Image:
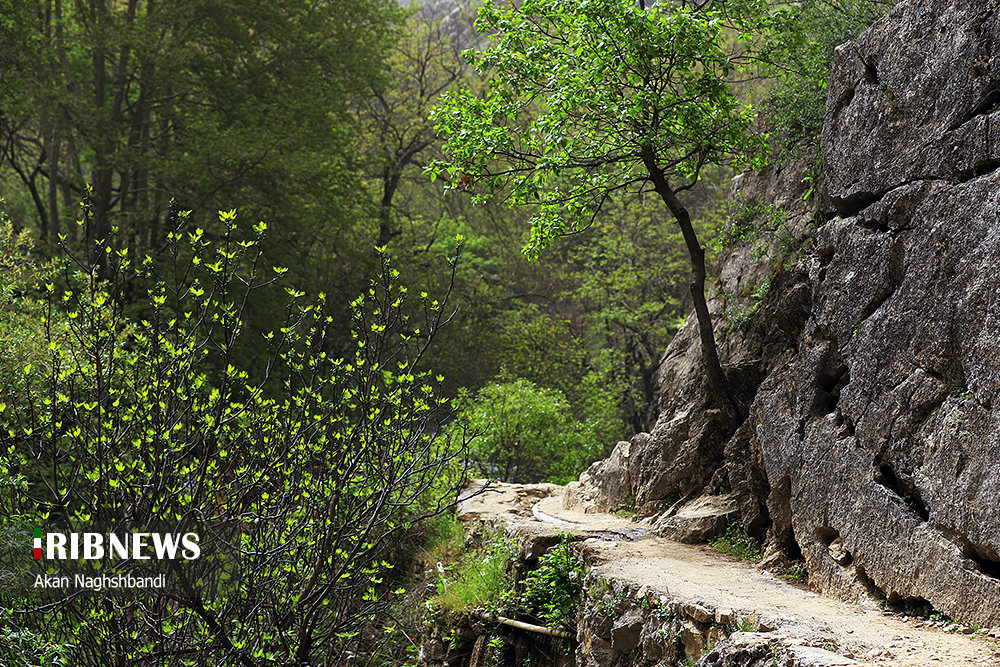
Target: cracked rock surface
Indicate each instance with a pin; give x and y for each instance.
(915, 97)
(872, 365)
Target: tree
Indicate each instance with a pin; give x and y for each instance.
(590, 99)
(525, 434)
(199, 100)
(425, 62)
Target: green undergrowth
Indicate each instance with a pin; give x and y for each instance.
(736, 543)
(479, 579)
(796, 572)
(917, 609)
(485, 580)
(553, 590)
(443, 541)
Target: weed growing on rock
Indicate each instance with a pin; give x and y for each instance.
(553, 590)
(738, 544)
(663, 613)
(598, 587)
(627, 511)
(918, 609)
(751, 223)
(612, 603)
(763, 227)
(797, 572)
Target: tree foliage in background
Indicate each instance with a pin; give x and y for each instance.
(397, 132)
(798, 52)
(200, 101)
(525, 434)
(130, 431)
(592, 99)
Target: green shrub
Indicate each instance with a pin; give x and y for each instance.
(796, 571)
(553, 589)
(525, 433)
(25, 323)
(760, 226)
(147, 421)
(20, 647)
(482, 579)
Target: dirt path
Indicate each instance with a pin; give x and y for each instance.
(622, 550)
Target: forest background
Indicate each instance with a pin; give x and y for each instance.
(127, 126)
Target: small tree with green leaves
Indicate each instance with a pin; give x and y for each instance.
(150, 421)
(525, 434)
(590, 99)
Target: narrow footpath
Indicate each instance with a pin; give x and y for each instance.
(621, 550)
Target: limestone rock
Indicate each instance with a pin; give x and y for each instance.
(598, 653)
(533, 539)
(693, 640)
(764, 649)
(699, 521)
(876, 429)
(698, 612)
(913, 98)
(839, 553)
(811, 656)
(874, 451)
(606, 484)
(742, 649)
(625, 633)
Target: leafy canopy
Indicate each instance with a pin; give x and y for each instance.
(525, 434)
(583, 92)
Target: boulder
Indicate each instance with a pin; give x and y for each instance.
(625, 633)
(700, 520)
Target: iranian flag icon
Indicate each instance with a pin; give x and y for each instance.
(38, 543)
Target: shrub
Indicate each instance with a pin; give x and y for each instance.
(25, 326)
(146, 421)
(525, 433)
(482, 579)
(553, 590)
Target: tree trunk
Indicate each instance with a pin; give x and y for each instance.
(390, 181)
(719, 392)
(52, 148)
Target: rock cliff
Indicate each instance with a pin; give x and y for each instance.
(862, 327)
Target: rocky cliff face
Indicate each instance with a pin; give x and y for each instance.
(872, 365)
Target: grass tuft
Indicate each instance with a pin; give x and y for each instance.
(480, 579)
(738, 544)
